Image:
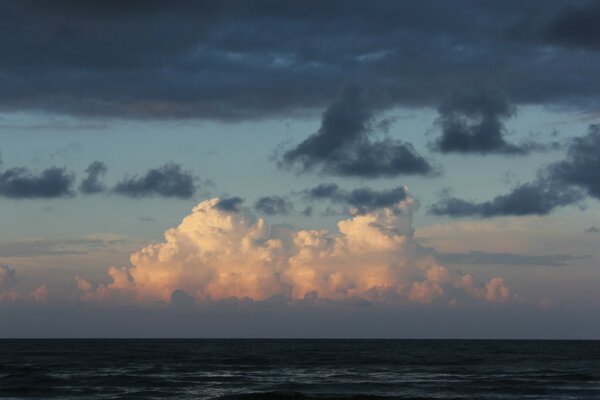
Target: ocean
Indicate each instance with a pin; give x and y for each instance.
(299, 369)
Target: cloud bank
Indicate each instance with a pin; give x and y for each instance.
(218, 254)
(247, 60)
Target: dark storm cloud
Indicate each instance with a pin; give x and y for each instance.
(473, 122)
(274, 205)
(250, 59)
(230, 204)
(363, 199)
(20, 183)
(169, 180)
(91, 184)
(537, 198)
(344, 145)
(576, 25)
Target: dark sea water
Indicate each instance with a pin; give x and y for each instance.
(299, 369)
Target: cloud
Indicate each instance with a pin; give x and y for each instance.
(273, 205)
(540, 197)
(576, 25)
(83, 284)
(488, 258)
(229, 204)
(257, 59)
(344, 144)
(91, 184)
(558, 184)
(581, 166)
(362, 199)
(54, 247)
(20, 183)
(473, 122)
(40, 294)
(8, 277)
(169, 180)
(216, 254)
(592, 229)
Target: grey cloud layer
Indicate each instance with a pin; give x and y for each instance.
(241, 60)
(487, 258)
(576, 25)
(57, 247)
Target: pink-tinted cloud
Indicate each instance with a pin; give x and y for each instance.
(218, 254)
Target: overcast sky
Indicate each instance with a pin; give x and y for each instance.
(300, 169)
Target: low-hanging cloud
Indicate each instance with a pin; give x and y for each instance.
(218, 254)
(362, 199)
(482, 258)
(20, 183)
(229, 204)
(540, 197)
(92, 184)
(581, 166)
(273, 205)
(473, 121)
(558, 184)
(8, 277)
(169, 180)
(344, 144)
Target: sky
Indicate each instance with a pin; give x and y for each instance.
(389, 169)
